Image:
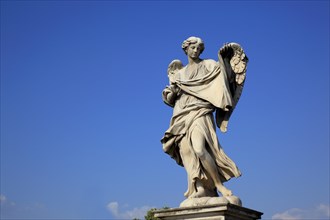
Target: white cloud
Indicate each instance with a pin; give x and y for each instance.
(322, 211)
(139, 212)
(5, 202)
(9, 209)
(3, 199)
(113, 208)
(291, 214)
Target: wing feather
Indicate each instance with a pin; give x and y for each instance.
(172, 70)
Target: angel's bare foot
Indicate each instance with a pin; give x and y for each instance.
(224, 191)
(199, 193)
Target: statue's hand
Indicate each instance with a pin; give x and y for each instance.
(224, 49)
(170, 94)
(174, 88)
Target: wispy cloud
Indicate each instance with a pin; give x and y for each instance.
(322, 211)
(4, 202)
(9, 209)
(2, 199)
(139, 212)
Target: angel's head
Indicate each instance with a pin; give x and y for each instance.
(198, 42)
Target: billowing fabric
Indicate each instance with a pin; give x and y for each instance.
(197, 95)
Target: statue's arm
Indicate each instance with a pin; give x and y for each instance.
(170, 94)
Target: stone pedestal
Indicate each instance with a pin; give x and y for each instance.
(208, 212)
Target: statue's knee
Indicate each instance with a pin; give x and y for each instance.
(200, 153)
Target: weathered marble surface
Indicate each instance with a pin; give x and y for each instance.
(196, 91)
(209, 212)
(190, 202)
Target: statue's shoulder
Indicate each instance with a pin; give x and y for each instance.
(209, 61)
(210, 64)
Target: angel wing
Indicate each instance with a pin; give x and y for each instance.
(235, 61)
(173, 69)
(170, 92)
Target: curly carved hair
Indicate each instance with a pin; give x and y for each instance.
(192, 40)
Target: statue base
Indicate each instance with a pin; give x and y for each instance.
(224, 211)
(211, 201)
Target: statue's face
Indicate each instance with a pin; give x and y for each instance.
(194, 50)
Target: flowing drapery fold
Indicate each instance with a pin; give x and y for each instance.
(197, 94)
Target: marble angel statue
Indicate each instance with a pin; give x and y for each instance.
(203, 94)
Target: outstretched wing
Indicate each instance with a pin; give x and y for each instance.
(173, 69)
(235, 61)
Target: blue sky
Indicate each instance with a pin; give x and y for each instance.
(82, 114)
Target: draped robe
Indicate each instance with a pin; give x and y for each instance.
(194, 97)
